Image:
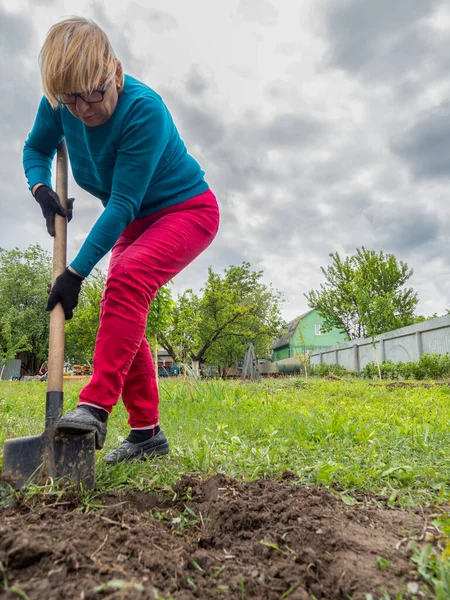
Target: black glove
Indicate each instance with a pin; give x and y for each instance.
(50, 205)
(70, 202)
(66, 289)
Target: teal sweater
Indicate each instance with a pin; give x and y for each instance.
(135, 163)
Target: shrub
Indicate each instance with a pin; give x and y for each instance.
(370, 370)
(429, 366)
(324, 369)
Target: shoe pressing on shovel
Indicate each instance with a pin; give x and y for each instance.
(53, 455)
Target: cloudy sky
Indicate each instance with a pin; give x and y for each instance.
(322, 126)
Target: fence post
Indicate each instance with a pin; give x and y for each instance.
(419, 343)
(336, 357)
(382, 351)
(356, 358)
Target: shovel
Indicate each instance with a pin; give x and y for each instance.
(53, 455)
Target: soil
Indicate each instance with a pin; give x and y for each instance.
(214, 538)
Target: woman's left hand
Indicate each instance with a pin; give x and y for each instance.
(66, 290)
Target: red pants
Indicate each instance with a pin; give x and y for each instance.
(148, 254)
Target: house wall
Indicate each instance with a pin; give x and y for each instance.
(280, 353)
(165, 360)
(305, 334)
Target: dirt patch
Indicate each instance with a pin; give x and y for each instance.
(216, 538)
(411, 384)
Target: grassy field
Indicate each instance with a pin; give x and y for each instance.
(357, 437)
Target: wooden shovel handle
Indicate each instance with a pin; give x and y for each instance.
(57, 319)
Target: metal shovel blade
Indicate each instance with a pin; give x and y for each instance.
(51, 455)
(22, 458)
(68, 459)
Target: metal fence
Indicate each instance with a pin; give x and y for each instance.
(12, 369)
(406, 344)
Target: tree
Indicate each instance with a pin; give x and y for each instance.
(234, 310)
(375, 312)
(423, 318)
(159, 318)
(302, 350)
(13, 338)
(181, 336)
(81, 330)
(227, 351)
(364, 294)
(24, 324)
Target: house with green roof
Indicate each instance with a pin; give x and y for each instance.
(304, 334)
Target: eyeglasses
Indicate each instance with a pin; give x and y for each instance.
(89, 97)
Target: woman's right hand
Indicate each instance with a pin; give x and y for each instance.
(50, 205)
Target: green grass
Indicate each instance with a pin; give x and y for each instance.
(353, 436)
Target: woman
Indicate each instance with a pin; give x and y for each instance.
(159, 215)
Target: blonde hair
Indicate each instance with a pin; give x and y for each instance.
(76, 56)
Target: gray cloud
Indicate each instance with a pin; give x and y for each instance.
(22, 220)
(289, 48)
(361, 164)
(20, 74)
(19, 90)
(267, 202)
(399, 227)
(425, 146)
(117, 34)
(292, 130)
(16, 33)
(156, 20)
(243, 143)
(196, 83)
(202, 125)
(260, 11)
(361, 32)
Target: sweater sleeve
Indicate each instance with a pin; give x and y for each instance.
(142, 143)
(41, 145)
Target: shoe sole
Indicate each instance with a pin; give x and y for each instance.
(160, 450)
(79, 429)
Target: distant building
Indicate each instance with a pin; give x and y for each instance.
(164, 358)
(303, 334)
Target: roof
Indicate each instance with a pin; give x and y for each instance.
(292, 326)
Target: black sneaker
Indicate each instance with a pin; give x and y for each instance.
(81, 420)
(126, 452)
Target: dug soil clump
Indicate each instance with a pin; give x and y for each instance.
(215, 538)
